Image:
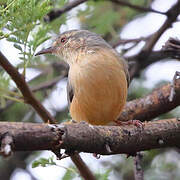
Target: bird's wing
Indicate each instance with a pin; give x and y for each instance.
(125, 67)
(70, 93)
(126, 72)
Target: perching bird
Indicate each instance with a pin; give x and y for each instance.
(98, 77)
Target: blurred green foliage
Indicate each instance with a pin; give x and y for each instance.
(43, 162)
(21, 23)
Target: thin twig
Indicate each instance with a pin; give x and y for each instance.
(48, 84)
(155, 56)
(82, 167)
(172, 46)
(141, 58)
(138, 171)
(118, 42)
(136, 7)
(172, 15)
(58, 12)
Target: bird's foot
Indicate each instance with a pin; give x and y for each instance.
(136, 123)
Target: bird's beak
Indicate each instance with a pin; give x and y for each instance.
(49, 50)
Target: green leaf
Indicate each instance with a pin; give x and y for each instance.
(18, 47)
(43, 162)
(69, 175)
(19, 18)
(104, 176)
(12, 39)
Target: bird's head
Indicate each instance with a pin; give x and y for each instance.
(72, 44)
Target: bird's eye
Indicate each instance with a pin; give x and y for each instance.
(63, 40)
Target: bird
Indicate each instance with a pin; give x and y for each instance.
(98, 77)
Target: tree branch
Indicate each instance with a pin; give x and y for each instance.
(172, 15)
(49, 84)
(145, 53)
(152, 58)
(55, 13)
(118, 42)
(138, 171)
(136, 7)
(153, 104)
(25, 90)
(93, 139)
(87, 174)
(172, 46)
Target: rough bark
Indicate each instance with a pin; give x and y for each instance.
(82, 137)
(153, 104)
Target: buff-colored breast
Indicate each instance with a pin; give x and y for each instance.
(100, 89)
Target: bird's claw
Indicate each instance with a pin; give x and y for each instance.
(136, 123)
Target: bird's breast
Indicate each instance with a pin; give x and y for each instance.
(100, 90)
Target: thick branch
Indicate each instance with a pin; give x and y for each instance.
(25, 90)
(153, 104)
(93, 139)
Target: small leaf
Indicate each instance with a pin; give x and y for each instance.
(12, 39)
(68, 175)
(18, 47)
(40, 41)
(43, 162)
(3, 102)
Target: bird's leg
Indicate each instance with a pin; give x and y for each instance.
(136, 123)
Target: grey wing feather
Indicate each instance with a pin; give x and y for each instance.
(70, 93)
(127, 72)
(125, 65)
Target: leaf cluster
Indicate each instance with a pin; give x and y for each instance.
(21, 22)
